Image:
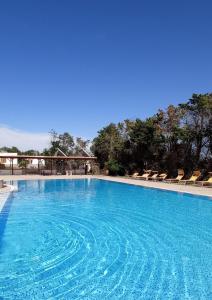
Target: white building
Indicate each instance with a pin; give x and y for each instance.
(33, 163)
(7, 161)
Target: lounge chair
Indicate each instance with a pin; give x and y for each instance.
(161, 177)
(154, 176)
(134, 175)
(192, 179)
(178, 178)
(205, 182)
(146, 175)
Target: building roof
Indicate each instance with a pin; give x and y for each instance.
(11, 155)
(5, 154)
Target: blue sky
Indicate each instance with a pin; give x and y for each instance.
(78, 65)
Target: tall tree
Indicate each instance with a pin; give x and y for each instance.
(64, 142)
(196, 122)
(108, 144)
(180, 136)
(81, 146)
(10, 149)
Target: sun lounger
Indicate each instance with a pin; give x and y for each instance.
(192, 179)
(205, 182)
(154, 176)
(134, 175)
(146, 175)
(178, 178)
(161, 177)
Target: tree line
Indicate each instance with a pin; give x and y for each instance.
(64, 141)
(178, 137)
(60, 144)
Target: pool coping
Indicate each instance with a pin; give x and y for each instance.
(188, 189)
(4, 194)
(163, 186)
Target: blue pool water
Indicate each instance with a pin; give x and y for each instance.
(93, 239)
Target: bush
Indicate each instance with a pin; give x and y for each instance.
(115, 168)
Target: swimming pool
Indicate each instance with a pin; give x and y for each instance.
(95, 239)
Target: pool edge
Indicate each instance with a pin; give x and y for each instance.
(185, 189)
(188, 190)
(4, 195)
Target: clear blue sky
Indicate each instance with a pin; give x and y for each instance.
(78, 65)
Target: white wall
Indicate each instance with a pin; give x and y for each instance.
(34, 163)
(6, 161)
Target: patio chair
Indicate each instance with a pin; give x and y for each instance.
(146, 175)
(161, 177)
(192, 179)
(134, 175)
(154, 176)
(178, 178)
(205, 182)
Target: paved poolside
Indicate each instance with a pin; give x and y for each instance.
(4, 194)
(195, 190)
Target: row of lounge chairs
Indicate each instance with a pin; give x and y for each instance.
(156, 176)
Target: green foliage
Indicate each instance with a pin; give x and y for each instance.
(80, 145)
(197, 125)
(22, 163)
(64, 142)
(108, 144)
(31, 152)
(10, 150)
(115, 168)
(180, 136)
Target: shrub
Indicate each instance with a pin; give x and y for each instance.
(115, 168)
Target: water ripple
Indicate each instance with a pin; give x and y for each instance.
(97, 240)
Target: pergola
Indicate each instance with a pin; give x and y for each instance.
(45, 157)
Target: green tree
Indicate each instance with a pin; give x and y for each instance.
(108, 144)
(180, 136)
(81, 147)
(146, 143)
(10, 149)
(31, 152)
(197, 126)
(23, 163)
(64, 142)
